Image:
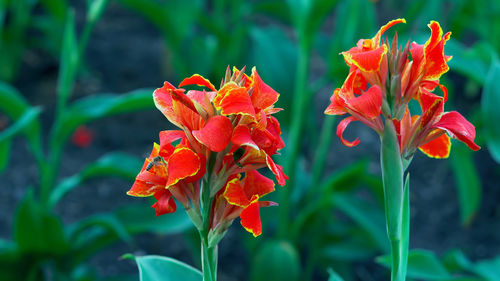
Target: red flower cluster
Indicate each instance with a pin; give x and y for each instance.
(225, 136)
(382, 81)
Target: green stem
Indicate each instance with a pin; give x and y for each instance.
(392, 176)
(208, 260)
(300, 104)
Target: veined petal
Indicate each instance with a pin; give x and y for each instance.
(368, 104)
(256, 184)
(183, 163)
(165, 203)
(241, 136)
(236, 101)
(216, 134)
(458, 127)
(435, 59)
(235, 194)
(341, 128)
(337, 104)
(437, 148)
(141, 189)
(250, 218)
(367, 61)
(199, 80)
(263, 96)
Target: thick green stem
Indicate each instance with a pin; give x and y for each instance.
(301, 98)
(392, 175)
(208, 260)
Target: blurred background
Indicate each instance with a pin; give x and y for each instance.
(77, 120)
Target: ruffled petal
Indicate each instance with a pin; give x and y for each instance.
(341, 128)
(216, 134)
(367, 61)
(199, 80)
(165, 204)
(458, 127)
(438, 148)
(368, 104)
(250, 218)
(277, 170)
(256, 184)
(337, 104)
(235, 194)
(241, 136)
(183, 163)
(236, 101)
(435, 59)
(263, 96)
(376, 39)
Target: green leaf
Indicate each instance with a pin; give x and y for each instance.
(157, 268)
(38, 231)
(98, 106)
(112, 164)
(489, 106)
(276, 260)
(467, 181)
(488, 269)
(95, 10)
(405, 228)
(333, 276)
(471, 62)
(5, 148)
(69, 62)
(422, 264)
(106, 220)
(24, 122)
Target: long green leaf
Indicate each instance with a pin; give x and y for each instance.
(24, 122)
(489, 106)
(69, 62)
(276, 260)
(157, 268)
(333, 276)
(422, 264)
(111, 164)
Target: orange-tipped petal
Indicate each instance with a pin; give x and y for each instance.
(435, 59)
(166, 138)
(368, 104)
(183, 163)
(216, 134)
(438, 148)
(257, 184)
(341, 128)
(236, 101)
(241, 136)
(235, 194)
(384, 28)
(277, 170)
(141, 189)
(165, 204)
(163, 101)
(337, 104)
(367, 61)
(199, 80)
(263, 96)
(458, 127)
(250, 218)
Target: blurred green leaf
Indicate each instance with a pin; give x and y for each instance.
(95, 10)
(488, 269)
(472, 62)
(157, 268)
(276, 260)
(38, 231)
(68, 63)
(106, 220)
(422, 264)
(112, 164)
(333, 276)
(24, 122)
(489, 105)
(350, 250)
(98, 106)
(467, 181)
(5, 148)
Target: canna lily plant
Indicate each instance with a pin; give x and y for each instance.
(210, 166)
(383, 79)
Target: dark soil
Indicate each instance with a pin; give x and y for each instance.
(126, 53)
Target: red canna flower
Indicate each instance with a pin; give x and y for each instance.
(224, 135)
(381, 82)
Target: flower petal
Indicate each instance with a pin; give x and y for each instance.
(277, 170)
(235, 194)
(256, 184)
(438, 148)
(435, 59)
(384, 28)
(241, 136)
(458, 127)
(368, 104)
(236, 101)
(216, 134)
(341, 128)
(250, 218)
(183, 163)
(163, 101)
(165, 204)
(337, 104)
(263, 96)
(367, 61)
(199, 80)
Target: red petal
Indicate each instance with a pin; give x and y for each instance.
(166, 138)
(437, 148)
(199, 80)
(216, 134)
(165, 203)
(236, 101)
(256, 184)
(182, 163)
(366, 61)
(341, 128)
(277, 170)
(263, 96)
(141, 189)
(235, 195)
(458, 127)
(337, 104)
(241, 136)
(368, 104)
(435, 59)
(163, 101)
(250, 218)
(384, 28)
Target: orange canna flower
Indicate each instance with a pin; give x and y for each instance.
(225, 135)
